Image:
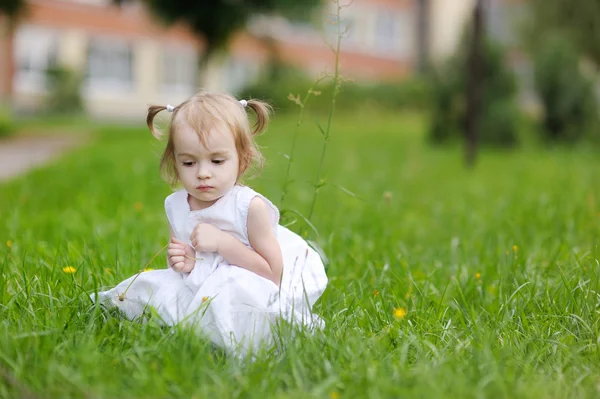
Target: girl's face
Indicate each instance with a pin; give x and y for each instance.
(207, 173)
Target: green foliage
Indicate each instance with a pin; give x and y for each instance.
(496, 268)
(11, 7)
(578, 21)
(567, 96)
(276, 84)
(276, 88)
(64, 91)
(6, 123)
(500, 114)
(214, 21)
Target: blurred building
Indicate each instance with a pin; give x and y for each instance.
(128, 59)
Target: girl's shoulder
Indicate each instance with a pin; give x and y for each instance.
(244, 196)
(176, 199)
(242, 191)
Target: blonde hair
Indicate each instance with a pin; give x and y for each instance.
(202, 112)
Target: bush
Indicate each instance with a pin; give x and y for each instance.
(500, 123)
(567, 97)
(499, 111)
(411, 93)
(276, 87)
(64, 91)
(276, 84)
(6, 124)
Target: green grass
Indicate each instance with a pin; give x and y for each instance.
(497, 268)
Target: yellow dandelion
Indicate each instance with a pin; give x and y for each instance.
(69, 269)
(138, 206)
(147, 269)
(477, 276)
(204, 298)
(334, 395)
(515, 248)
(108, 270)
(399, 313)
(9, 243)
(387, 196)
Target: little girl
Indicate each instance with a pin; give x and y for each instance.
(233, 270)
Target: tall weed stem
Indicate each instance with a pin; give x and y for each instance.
(302, 104)
(336, 89)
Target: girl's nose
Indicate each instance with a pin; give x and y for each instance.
(203, 172)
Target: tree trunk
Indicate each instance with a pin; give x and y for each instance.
(210, 70)
(423, 21)
(275, 62)
(7, 66)
(474, 84)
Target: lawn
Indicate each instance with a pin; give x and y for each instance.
(444, 282)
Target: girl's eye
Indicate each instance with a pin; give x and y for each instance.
(218, 161)
(187, 163)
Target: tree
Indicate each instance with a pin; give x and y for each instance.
(561, 34)
(566, 94)
(9, 11)
(474, 84)
(577, 20)
(11, 8)
(216, 20)
(497, 111)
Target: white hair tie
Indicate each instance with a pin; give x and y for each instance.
(244, 103)
(170, 108)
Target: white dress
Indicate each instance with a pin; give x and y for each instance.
(233, 307)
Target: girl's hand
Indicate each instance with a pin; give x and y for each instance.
(206, 238)
(176, 255)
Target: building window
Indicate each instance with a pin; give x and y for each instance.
(346, 29)
(110, 64)
(36, 51)
(395, 34)
(238, 73)
(386, 30)
(504, 20)
(93, 2)
(179, 70)
(406, 34)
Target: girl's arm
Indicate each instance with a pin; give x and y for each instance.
(266, 259)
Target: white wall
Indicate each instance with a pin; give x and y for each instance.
(107, 94)
(448, 18)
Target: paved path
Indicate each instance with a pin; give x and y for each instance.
(22, 153)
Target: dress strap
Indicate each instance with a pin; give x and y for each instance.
(245, 197)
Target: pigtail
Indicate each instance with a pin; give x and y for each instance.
(153, 110)
(167, 160)
(262, 111)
